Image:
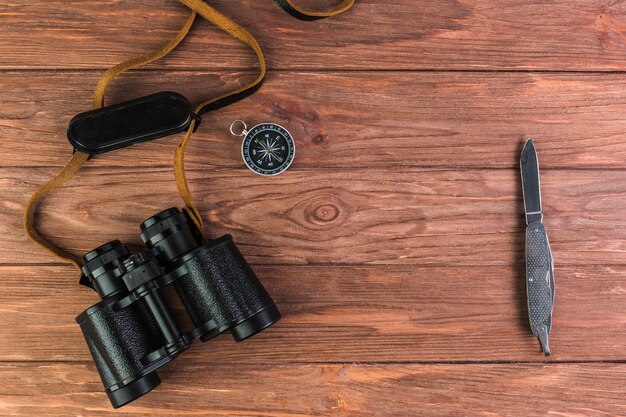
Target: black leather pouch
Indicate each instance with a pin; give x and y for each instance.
(139, 120)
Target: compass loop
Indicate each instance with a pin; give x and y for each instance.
(236, 123)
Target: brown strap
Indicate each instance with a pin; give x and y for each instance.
(72, 167)
(237, 32)
(107, 77)
(230, 27)
(79, 158)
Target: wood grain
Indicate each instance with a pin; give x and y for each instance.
(393, 246)
(577, 35)
(327, 390)
(354, 314)
(345, 120)
(417, 217)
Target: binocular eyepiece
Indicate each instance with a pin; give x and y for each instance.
(131, 332)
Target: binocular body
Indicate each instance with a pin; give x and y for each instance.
(132, 332)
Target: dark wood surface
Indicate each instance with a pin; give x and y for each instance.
(393, 245)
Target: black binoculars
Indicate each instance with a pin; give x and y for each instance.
(132, 332)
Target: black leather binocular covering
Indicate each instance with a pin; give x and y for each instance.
(132, 332)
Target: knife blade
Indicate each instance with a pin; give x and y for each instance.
(539, 262)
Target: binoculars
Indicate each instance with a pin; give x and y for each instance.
(132, 332)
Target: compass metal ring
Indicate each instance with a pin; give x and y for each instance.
(242, 132)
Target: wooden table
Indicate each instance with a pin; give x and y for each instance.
(395, 243)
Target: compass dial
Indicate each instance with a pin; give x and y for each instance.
(268, 149)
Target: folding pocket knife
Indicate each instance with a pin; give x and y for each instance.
(539, 262)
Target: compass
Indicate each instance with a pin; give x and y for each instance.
(267, 148)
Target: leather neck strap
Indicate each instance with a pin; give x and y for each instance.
(78, 159)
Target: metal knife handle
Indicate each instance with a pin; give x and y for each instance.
(539, 282)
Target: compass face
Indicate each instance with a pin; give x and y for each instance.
(268, 149)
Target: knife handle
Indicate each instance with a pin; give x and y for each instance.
(539, 282)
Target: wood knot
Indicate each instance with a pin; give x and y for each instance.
(310, 115)
(325, 210)
(334, 401)
(319, 139)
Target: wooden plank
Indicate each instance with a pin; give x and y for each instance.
(367, 216)
(354, 314)
(346, 120)
(393, 247)
(326, 390)
(579, 35)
